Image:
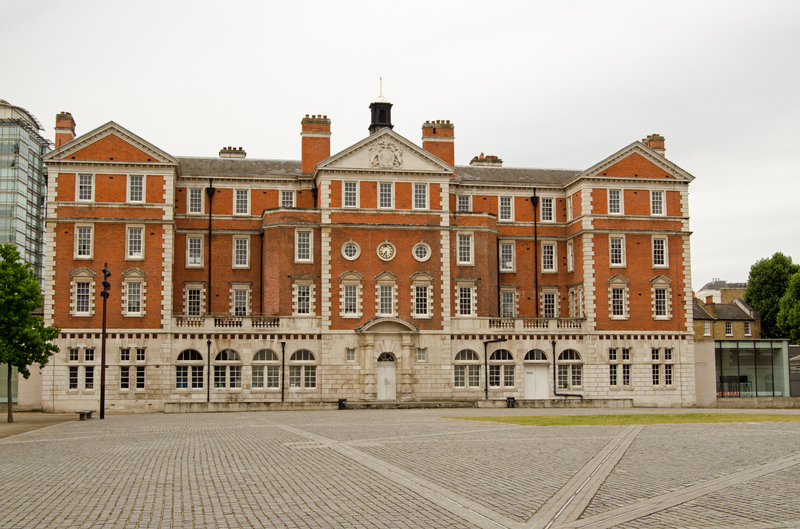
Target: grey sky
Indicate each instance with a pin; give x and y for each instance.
(540, 84)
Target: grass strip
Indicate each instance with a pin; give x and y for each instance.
(639, 418)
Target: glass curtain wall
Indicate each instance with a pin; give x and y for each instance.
(752, 368)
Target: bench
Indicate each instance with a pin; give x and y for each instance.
(85, 414)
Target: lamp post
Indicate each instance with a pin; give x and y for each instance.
(208, 382)
(104, 294)
(486, 361)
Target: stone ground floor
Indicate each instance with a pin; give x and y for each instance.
(401, 468)
(390, 363)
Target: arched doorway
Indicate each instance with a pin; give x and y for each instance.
(387, 385)
(535, 382)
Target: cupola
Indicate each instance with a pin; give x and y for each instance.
(381, 110)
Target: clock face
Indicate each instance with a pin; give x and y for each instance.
(386, 251)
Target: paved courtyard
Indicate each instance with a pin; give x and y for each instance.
(398, 468)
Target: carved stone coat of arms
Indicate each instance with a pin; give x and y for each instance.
(386, 155)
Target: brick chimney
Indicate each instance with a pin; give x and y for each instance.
(65, 128)
(438, 138)
(232, 152)
(316, 133)
(655, 142)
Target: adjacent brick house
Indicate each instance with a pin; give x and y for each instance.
(376, 273)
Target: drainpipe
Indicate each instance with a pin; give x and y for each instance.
(210, 192)
(555, 385)
(497, 261)
(283, 368)
(535, 201)
(486, 361)
(261, 288)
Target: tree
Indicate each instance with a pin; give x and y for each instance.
(766, 285)
(24, 339)
(789, 314)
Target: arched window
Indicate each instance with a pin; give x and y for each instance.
(467, 369)
(228, 369)
(501, 369)
(302, 370)
(570, 369)
(266, 370)
(386, 357)
(189, 370)
(535, 355)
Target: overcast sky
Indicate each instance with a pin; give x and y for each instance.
(540, 84)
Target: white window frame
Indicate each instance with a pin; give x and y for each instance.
(129, 295)
(350, 243)
(664, 252)
(622, 261)
(356, 197)
(129, 229)
(661, 283)
(79, 185)
(77, 254)
(297, 255)
(748, 329)
(466, 300)
(706, 328)
(620, 209)
(570, 256)
(470, 237)
(291, 195)
(386, 280)
(466, 370)
(554, 246)
(235, 257)
(728, 328)
(618, 283)
(201, 250)
(508, 302)
(508, 249)
(237, 194)
(551, 208)
(416, 204)
(421, 288)
(78, 293)
(240, 299)
(188, 300)
(547, 293)
(570, 215)
(303, 286)
(189, 209)
(505, 212)
(658, 207)
(463, 203)
(350, 295)
(421, 245)
(129, 197)
(381, 187)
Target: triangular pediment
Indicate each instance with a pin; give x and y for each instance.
(385, 151)
(110, 143)
(636, 161)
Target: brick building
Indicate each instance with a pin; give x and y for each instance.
(376, 273)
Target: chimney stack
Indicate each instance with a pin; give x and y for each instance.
(65, 128)
(316, 134)
(438, 138)
(655, 142)
(232, 152)
(490, 160)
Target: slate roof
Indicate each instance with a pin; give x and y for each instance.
(731, 312)
(197, 166)
(699, 313)
(719, 284)
(508, 175)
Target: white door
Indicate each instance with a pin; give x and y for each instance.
(386, 377)
(535, 382)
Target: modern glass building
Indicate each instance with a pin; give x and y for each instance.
(23, 183)
(752, 368)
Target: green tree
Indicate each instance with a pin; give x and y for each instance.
(789, 314)
(24, 339)
(766, 285)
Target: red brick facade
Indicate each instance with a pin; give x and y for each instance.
(303, 256)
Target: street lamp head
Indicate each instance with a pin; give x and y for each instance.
(106, 272)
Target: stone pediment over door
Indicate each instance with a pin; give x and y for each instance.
(387, 326)
(386, 151)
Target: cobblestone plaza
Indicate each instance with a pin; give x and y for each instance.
(398, 468)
